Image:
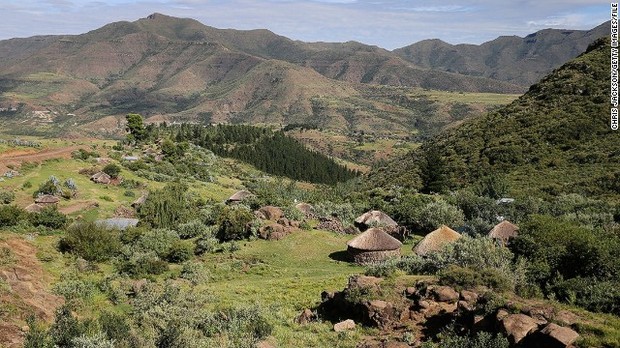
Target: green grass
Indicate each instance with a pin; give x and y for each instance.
(470, 98)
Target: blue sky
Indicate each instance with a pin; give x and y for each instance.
(386, 23)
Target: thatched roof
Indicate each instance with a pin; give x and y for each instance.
(435, 240)
(34, 208)
(375, 239)
(239, 196)
(101, 178)
(47, 199)
(375, 218)
(504, 231)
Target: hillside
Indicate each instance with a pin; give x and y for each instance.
(181, 70)
(554, 139)
(522, 61)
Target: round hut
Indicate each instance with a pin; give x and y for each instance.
(239, 196)
(435, 240)
(101, 178)
(504, 231)
(374, 218)
(374, 245)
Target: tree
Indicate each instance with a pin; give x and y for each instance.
(112, 170)
(135, 127)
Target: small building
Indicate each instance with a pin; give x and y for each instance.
(504, 232)
(130, 158)
(374, 218)
(372, 246)
(45, 200)
(101, 178)
(239, 196)
(436, 240)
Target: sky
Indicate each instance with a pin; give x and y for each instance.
(385, 23)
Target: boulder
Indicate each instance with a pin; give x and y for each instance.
(381, 313)
(469, 296)
(273, 231)
(364, 282)
(270, 212)
(444, 294)
(305, 317)
(344, 325)
(556, 336)
(518, 326)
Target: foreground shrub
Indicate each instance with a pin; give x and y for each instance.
(180, 251)
(234, 223)
(91, 241)
(594, 295)
(49, 217)
(10, 215)
(141, 264)
(6, 197)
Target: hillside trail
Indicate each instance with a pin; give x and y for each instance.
(25, 290)
(16, 158)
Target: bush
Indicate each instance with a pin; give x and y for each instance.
(142, 264)
(112, 170)
(206, 245)
(234, 223)
(158, 241)
(49, 217)
(192, 229)
(10, 215)
(91, 241)
(435, 214)
(469, 278)
(6, 197)
(482, 339)
(180, 251)
(50, 187)
(589, 293)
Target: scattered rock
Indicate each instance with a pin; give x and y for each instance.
(330, 224)
(273, 231)
(558, 336)
(270, 213)
(364, 282)
(444, 294)
(381, 313)
(518, 326)
(344, 325)
(305, 317)
(469, 296)
(565, 318)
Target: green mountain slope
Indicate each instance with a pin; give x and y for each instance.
(521, 61)
(554, 139)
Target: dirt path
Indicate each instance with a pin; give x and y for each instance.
(26, 291)
(12, 158)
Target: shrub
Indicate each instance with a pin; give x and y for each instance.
(157, 241)
(91, 241)
(98, 340)
(592, 294)
(50, 187)
(435, 214)
(112, 170)
(129, 194)
(114, 325)
(468, 278)
(482, 339)
(142, 264)
(180, 251)
(234, 223)
(10, 215)
(192, 229)
(49, 217)
(206, 245)
(6, 197)
(65, 328)
(195, 272)
(167, 207)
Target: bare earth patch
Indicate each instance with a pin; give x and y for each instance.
(16, 158)
(25, 291)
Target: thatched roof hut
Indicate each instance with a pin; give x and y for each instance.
(239, 196)
(374, 218)
(373, 245)
(34, 208)
(435, 240)
(504, 231)
(46, 199)
(101, 178)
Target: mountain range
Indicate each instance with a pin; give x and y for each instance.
(176, 69)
